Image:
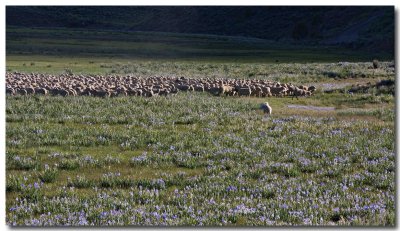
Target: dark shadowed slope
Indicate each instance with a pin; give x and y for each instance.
(366, 27)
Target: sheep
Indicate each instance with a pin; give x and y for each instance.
(138, 92)
(58, 91)
(30, 90)
(62, 92)
(121, 91)
(266, 92)
(10, 91)
(148, 93)
(303, 87)
(215, 90)
(41, 91)
(95, 85)
(182, 87)
(86, 91)
(312, 88)
(267, 109)
(164, 92)
(21, 91)
(199, 88)
(72, 92)
(227, 90)
(246, 91)
(174, 90)
(101, 93)
(258, 91)
(278, 91)
(300, 92)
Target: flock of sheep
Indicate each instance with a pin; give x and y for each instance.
(113, 85)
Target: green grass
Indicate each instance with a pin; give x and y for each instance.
(166, 46)
(196, 159)
(130, 153)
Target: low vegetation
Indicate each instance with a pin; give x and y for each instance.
(197, 159)
(193, 158)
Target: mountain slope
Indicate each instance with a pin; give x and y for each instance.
(365, 27)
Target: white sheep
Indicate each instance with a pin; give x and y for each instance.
(267, 109)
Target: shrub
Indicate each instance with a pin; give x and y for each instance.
(14, 183)
(32, 192)
(69, 164)
(49, 175)
(80, 182)
(23, 163)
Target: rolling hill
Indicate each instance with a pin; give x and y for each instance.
(367, 28)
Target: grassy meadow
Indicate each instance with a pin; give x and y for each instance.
(194, 158)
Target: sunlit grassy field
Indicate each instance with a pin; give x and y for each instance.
(194, 158)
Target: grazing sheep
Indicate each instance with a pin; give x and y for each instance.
(257, 91)
(30, 90)
(267, 109)
(312, 88)
(86, 91)
(297, 92)
(199, 88)
(182, 87)
(41, 91)
(72, 92)
(227, 90)
(22, 91)
(62, 92)
(148, 93)
(10, 91)
(58, 91)
(106, 86)
(278, 91)
(246, 91)
(266, 92)
(303, 87)
(215, 90)
(101, 93)
(300, 92)
(164, 92)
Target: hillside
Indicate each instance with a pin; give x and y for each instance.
(368, 28)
